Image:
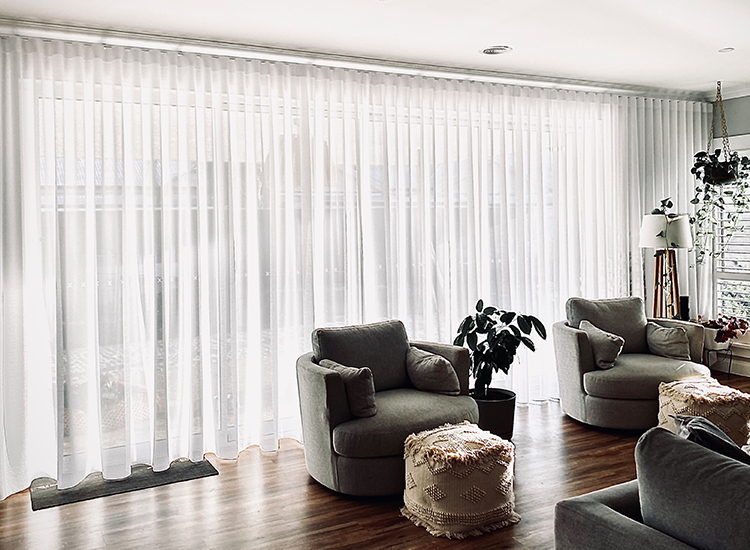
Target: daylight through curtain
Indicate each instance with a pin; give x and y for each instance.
(174, 225)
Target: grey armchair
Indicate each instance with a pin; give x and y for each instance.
(365, 456)
(627, 395)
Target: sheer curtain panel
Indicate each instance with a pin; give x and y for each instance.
(174, 225)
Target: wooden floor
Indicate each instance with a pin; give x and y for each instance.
(267, 500)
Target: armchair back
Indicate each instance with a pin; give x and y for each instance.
(625, 317)
(380, 346)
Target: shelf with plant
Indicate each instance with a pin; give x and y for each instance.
(724, 329)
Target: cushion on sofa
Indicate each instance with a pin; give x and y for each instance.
(624, 317)
(360, 390)
(380, 346)
(400, 412)
(637, 376)
(431, 372)
(692, 493)
(704, 432)
(668, 342)
(605, 345)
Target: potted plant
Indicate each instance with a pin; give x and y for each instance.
(723, 193)
(493, 337)
(721, 198)
(719, 333)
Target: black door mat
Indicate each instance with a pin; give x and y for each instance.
(45, 494)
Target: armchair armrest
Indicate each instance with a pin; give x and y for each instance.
(694, 334)
(609, 518)
(323, 405)
(458, 357)
(574, 358)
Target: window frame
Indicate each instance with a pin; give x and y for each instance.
(741, 144)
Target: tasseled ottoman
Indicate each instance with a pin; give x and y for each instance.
(726, 407)
(459, 481)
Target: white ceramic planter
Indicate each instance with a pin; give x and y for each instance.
(709, 340)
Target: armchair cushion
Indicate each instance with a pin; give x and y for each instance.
(692, 493)
(668, 342)
(380, 346)
(400, 412)
(360, 390)
(605, 345)
(431, 372)
(624, 317)
(637, 376)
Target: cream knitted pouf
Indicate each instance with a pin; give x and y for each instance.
(459, 481)
(726, 407)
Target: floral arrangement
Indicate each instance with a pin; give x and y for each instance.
(727, 327)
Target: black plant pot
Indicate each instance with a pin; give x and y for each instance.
(497, 412)
(721, 173)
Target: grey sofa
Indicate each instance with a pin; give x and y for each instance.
(686, 496)
(365, 456)
(626, 396)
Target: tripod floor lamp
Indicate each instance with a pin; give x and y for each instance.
(665, 233)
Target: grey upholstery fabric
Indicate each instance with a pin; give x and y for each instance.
(360, 390)
(324, 407)
(605, 345)
(573, 358)
(431, 372)
(323, 404)
(691, 493)
(458, 356)
(637, 376)
(668, 341)
(694, 333)
(380, 346)
(400, 412)
(621, 414)
(608, 519)
(369, 477)
(626, 396)
(625, 317)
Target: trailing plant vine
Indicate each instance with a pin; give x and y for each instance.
(722, 195)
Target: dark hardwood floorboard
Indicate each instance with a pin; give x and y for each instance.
(268, 501)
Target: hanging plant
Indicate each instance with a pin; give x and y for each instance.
(723, 194)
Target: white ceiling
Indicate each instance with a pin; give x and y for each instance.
(669, 44)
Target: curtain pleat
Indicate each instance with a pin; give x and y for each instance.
(174, 226)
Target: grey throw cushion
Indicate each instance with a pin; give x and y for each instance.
(359, 386)
(381, 346)
(624, 317)
(706, 433)
(605, 345)
(691, 493)
(668, 342)
(431, 372)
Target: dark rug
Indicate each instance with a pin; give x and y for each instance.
(45, 494)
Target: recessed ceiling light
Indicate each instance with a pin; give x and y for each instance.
(497, 50)
(726, 50)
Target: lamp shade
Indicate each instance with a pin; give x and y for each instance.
(659, 231)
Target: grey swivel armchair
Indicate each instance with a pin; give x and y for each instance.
(365, 456)
(627, 395)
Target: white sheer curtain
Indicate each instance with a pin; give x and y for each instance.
(174, 225)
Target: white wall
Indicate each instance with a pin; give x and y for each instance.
(737, 113)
